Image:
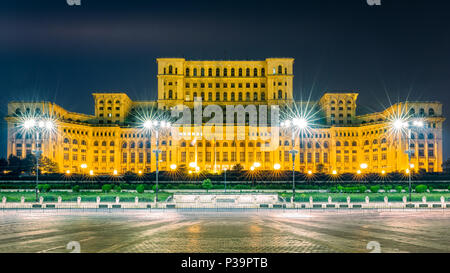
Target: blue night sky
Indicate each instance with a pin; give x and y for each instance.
(56, 52)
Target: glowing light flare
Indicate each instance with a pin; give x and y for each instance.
(91, 172)
(115, 172)
(257, 164)
(309, 172)
(334, 172)
(173, 167)
(276, 166)
(364, 166)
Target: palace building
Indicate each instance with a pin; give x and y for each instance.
(339, 141)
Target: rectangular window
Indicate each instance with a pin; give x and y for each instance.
(309, 157)
(200, 157)
(286, 156)
(302, 158)
(217, 156)
(104, 158)
(111, 158)
(242, 156)
(267, 156)
(317, 157)
(325, 157)
(133, 158)
(208, 157)
(149, 156)
(66, 156)
(163, 156)
(141, 157)
(430, 152)
(250, 156)
(225, 156)
(95, 158)
(233, 156)
(183, 156)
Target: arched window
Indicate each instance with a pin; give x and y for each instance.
(280, 69)
(247, 96)
(83, 142)
(309, 145)
(354, 144)
(75, 141)
(345, 143)
(421, 136)
(341, 102)
(240, 96)
(140, 145)
(66, 140)
(317, 145)
(210, 96)
(210, 72)
(195, 72)
(95, 143)
(232, 96)
(208, 144)
(255, 96)
(247, 72)
(170, 69)
(250, 144)
(202, 72)
(325, 144)
(18, 111)
(383, 140)
(183, 144)
(240, 72)
(232, 72)
(286, 143)
(338, 143)
(333, 102)
(225, 96)
(147, 144)
(255, 72)
(366, 142)
(422, 112)
(217, 72)
(225, 144)
(111, 143)
(225, 72)
(132, 145)
(170, 94)
(38, 111)
(187, 72)
(263, 96)
(263, 72)
(430, 136)
(124, 145)
(412, 112)
(375, 141)
(431, 112)
(413, 136)
(280, 94)
(217, 96)
(241, 144)
(285, 70)
(217, 144)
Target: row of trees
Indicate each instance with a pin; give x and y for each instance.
(16, 165)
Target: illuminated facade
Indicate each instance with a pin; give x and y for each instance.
(110, 141)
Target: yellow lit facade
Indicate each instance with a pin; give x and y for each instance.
(109, 142)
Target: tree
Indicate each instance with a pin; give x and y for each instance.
(207, 185)
(46, 165)
(446, 166)
(14, 164)
(238, 167)
(3, 165)
(106, 188)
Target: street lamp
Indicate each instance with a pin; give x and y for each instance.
(403, 124)
(296, 125)
(225, 178)
(38, 126)
(155, 126)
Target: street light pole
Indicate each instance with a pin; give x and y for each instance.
(157, 162)
(293, 152)
(409, 164)
(38, 153)
(225, 176)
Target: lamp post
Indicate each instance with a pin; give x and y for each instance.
(225, 178)
(296, 125)
(156, 126)
(399, 125)
(38, 127)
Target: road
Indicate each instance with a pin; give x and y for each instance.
(225, 231)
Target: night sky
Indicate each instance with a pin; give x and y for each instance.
(56, 52)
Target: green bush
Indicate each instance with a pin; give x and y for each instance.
(106, 188)
(117, 188)
(399, 188)
(421, 188)
(155, 188)
(140, 188)
(374, 189)
(76, 188)
(207, 184)
(362, 189)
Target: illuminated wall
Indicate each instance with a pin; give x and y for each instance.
(111, 140)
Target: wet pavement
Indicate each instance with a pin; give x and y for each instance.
(225, 231)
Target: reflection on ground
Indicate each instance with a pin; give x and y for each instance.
(224, 231)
